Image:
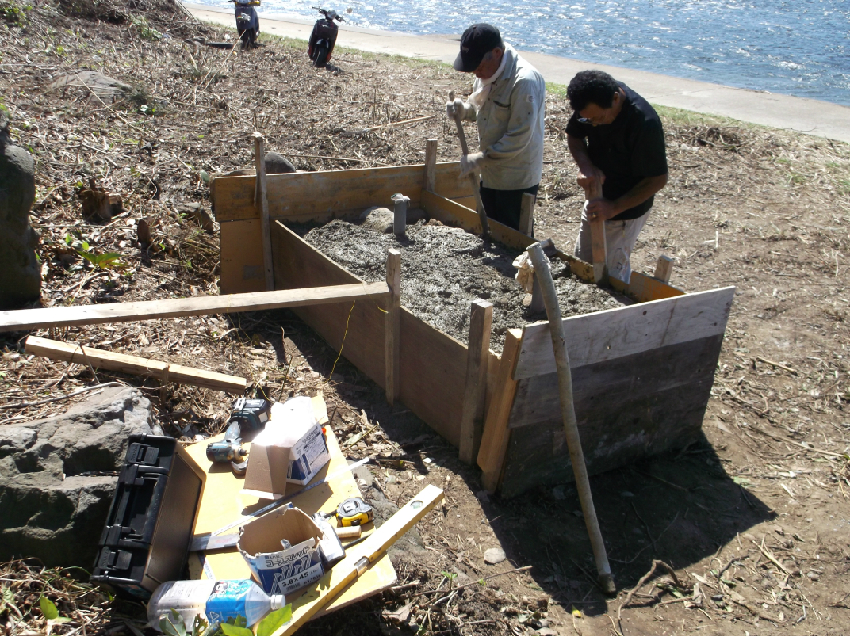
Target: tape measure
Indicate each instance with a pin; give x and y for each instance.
(354, 512)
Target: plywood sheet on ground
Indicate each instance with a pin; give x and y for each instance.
(627, 409)
(222, 503)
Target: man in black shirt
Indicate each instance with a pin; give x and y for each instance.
(617, 140)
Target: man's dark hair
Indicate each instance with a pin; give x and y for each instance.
(592, 87)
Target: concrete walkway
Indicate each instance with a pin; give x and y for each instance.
(813, 117)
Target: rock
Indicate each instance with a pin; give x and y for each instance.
(276, 164)
(381, 219)
(196, 212)
(20, 282)
(494, 556)
(56, 477)
(105, 87)
(410, 543)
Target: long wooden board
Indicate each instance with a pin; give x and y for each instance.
(614, 333)
(432, 365)
(25, 319)
(167, 372)
(241, 257)
(322, 196)
(627, 409)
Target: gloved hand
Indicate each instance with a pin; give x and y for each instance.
(471, 162)
(457, 106)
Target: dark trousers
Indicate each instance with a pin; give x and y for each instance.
(505, 206)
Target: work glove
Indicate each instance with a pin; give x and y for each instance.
(457, 106)
(471, 163)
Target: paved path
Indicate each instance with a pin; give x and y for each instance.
(769, 109)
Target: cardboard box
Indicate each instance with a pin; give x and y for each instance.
(292, 448)
(282, 570)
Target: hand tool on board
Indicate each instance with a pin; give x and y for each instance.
(358, 560)
(354, 512)
(473, 178)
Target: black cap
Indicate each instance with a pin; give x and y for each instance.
(475, 43)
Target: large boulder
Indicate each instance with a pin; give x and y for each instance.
(58, 475)
(20, 282)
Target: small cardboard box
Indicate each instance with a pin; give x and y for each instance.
(282, 570)
(292, 448)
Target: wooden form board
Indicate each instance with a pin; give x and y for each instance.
(222, 503)
(325, 195)
(627, 409)
(241, 257)
(432, 372)
(624, 331)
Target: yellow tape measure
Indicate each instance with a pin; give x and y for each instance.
(354, 512)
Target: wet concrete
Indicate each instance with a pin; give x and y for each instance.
(444, 269)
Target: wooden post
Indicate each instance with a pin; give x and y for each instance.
(431, 165)
(262, 202)
(392, 327)
(599, 258)
(526, 215)
(494, 441)
(473, 178)
(472, 420)
(664, 268)
(565, 387)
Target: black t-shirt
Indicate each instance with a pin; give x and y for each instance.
(628, 150)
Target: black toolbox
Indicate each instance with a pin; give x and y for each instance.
(151, 519)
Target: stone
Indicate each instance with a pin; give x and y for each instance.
(20, 283)
(277, 164)
(494, 556)
(58, 476)
(105, 87)
(380, 219)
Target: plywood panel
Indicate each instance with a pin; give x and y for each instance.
(614, 333)
(324, 195)
(433, 365)
(627, 409)
(241, 249)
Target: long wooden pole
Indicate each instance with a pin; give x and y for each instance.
(599, 250)
(565, 388)
(262, 202)
(473, 178)
(392, 328)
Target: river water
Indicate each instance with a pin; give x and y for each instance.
(799, 47)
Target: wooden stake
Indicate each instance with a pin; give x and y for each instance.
(165, 372)
(565, 387)
(494, 441)
(664, 268)
(392, 327)
(359, 558)
(472, 420)
(599, 258)
(262, 202)
(526, 215)
(473, 178)
(431, 165)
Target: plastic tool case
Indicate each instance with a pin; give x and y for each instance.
(149, 528)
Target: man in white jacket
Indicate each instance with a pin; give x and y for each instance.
(508, 104)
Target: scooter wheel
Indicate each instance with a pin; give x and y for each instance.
(320, 56)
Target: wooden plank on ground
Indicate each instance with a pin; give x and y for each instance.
(644, 288)
(494, 441)
(627, 409)
(321, 196)
(478, 354)
(615, 333)
(134, 365)
(451, 213)
(26, 319)
(241, 257)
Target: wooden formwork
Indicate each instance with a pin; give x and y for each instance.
(641, 373)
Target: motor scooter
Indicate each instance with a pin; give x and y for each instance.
(247, 22)
(323, 37)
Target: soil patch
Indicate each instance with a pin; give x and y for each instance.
(445, 268)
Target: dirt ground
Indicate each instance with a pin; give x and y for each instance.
(753, 520)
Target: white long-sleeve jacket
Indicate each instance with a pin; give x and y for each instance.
(511, 124)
